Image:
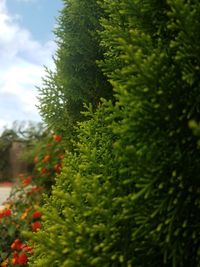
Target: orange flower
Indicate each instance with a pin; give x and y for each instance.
(5, 263)
(15, 258)
(25, 214)
(46, 158)
(57, 138)
(57, 167)
(27, 181)
(36, 226)
(17, 245)
(35, 159)
(15, 261)
(13, 245)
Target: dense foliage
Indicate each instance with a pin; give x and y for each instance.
(128, 193)
(157, 90)
(77, 78)
(78, 213)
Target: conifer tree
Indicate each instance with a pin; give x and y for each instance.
(77, 220)
(77, 79)
(157, 86)
(129, 196)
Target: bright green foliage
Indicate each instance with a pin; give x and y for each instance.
(129, 194)
(77, 79)
(157, 90)
(79, 217)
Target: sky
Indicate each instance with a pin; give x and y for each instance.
(27, 44)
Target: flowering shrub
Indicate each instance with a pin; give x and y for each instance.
(5, 213)
(6, 232)
(20, 254)
(47, 158)
(21, 211)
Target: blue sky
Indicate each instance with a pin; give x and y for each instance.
(26, 45)
(39, 16)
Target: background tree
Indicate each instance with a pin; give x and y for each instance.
(77, 78)
(6, 139)
(29, 130)
(28, 133)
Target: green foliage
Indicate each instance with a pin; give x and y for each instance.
(129, 193)
(77, 219)
(157, 91)
(77, 78)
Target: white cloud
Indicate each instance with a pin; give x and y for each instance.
(21, 67)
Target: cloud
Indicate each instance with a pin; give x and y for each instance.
(21, 67)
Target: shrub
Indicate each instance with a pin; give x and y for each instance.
(22, 210)
(156, 87)
(19, 214)
(129, 194)
(78, 218)
(47, 156)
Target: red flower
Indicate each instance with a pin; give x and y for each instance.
(27, 181)
(57, 138)
(22, 259)
(44, 170)
(17, 241)
(17, 245)
(7, 212)
(36, 215)
(36, 226)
